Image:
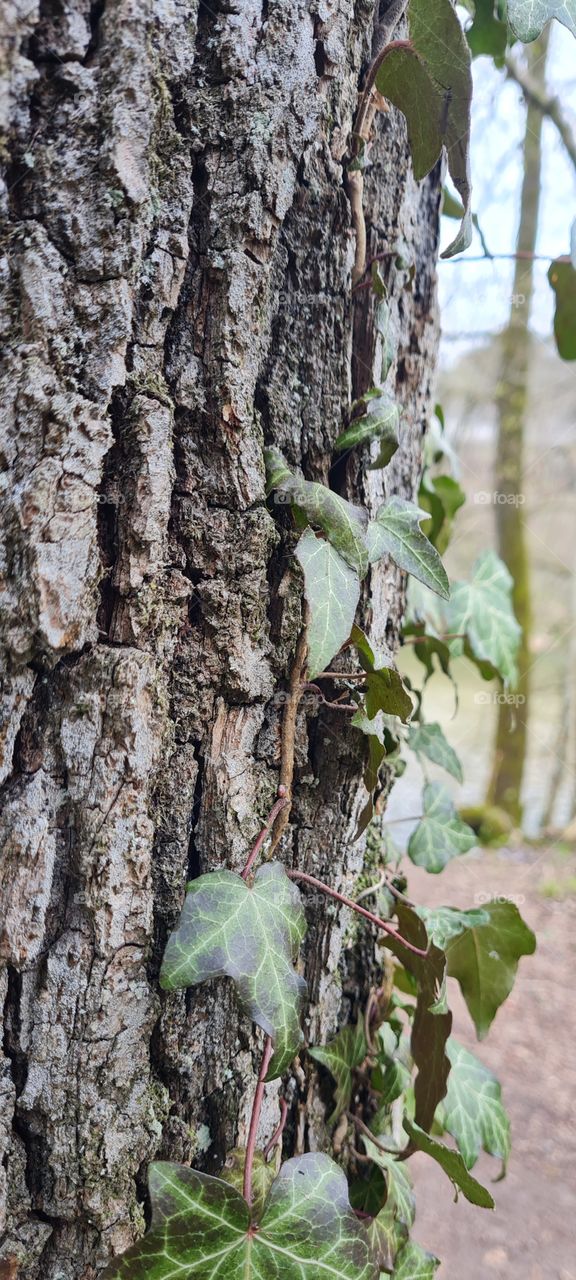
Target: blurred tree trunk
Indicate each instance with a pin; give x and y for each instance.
(505, 788)
(178, 249)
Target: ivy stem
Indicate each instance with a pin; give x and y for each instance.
(363, 1128)
(349, 902)
(276, 1136)
(255, 1120)
(412, 817)
(280, 804)
(289, 730)
(342, 675)
(336, 706)
(397, 894)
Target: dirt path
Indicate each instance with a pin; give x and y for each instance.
(531, 1235)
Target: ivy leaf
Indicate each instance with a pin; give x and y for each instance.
(432, 85)
(201, 1227)
(472, 1110)
(414, 1263)
(342, 522)
(487, 33)
(452, 1164)
(405, 80)
(383, 685)
(382, 734)
(380, 423)
(562, 277)
(385, 327)
(387, 1236)
(445, 923)
(341, 1056)
(484, 959)
(440, 835)
(482, 609)
(332, 590)
(428, 740)
(250, 934)
(400, 1198)
(528, 17)
(396, 532)
(441, 497)
(263, 1175)
(432, 1020)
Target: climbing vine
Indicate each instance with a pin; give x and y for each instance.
(400, 1081)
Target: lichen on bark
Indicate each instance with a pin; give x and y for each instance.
(177, 250)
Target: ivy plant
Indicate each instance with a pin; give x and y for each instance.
(401, 1081)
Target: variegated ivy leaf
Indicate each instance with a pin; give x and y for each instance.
(528, 17)
(250, 934)
(445, 923)
(429, 740)
(202, 1228)
(380, 423)
(452, 1164)
(431, 83)
(440, 835)
(263, 1175)
(396, 532)
(341, 1056)
(482, 610)
(472, 1110)
(414, 1263)
(387, 1237)
(332, 591)
(343, 523)
(400, 1199)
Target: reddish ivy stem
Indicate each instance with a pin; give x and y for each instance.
(349, 902)
(276, 1136)
(280, 804)
(255, 1120)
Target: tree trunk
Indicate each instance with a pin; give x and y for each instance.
(505, 788)
(177, 293)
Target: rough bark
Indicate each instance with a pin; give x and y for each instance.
(177, 255)
(505, 787)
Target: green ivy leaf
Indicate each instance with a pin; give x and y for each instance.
(562, 277)
(263, 1175)
(380, 423)
(332, 590)
(482, 609)
(250, 934)
(386, 328)
(432, 1020)
(396, 532)
(442, 497)
(414, 1263)
(487, 34)
(484, 959)
(405, 80)
(387, 1236)
(440, 835)
(341, 1056)
(384, 688)
(382, 734)
(528, 17)
(428, 740)
(452, 1164)
(445, 923)
(400, 1197)
(343, 523)
(201, 1227)
(472, 1110)
(433, 87)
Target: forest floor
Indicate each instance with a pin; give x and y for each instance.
(531, 1047)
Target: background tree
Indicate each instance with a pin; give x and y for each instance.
(505, 788)
(177, 268)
